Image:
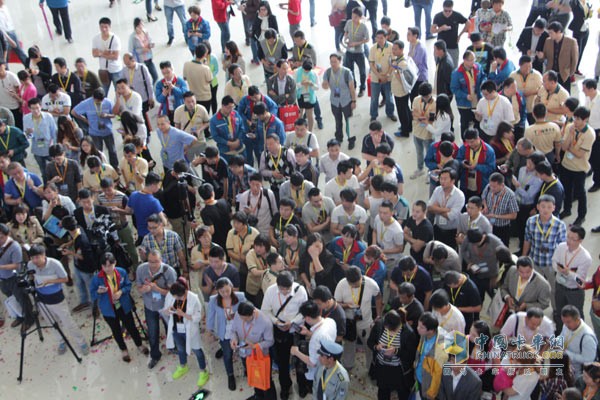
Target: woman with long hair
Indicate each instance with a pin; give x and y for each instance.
(184, 312)
(553, 384)
(69, 135)
(40, 69)
(88, 148)
(213, 63)
(526, 364)
(111, 287)
(504, 142)
(25, 228)
(141, 150)
(133, 125)
(442, 119)
(221, 311)
(265, 20)
(589, 382)
(481, 365)
(232, 56)
(27, 91)
(141, 45)
(290, 249)
(372, 264)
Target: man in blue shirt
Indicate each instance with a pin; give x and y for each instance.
(142, 204)
(227, 128)
(96, 112)
(40, 126)
(173, 142)
(265, 123)
(247, 103)
(23, 187)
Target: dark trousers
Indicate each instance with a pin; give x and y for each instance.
(358, 59)
(466, 117)
(59, 14)
(503, 233)
(109, 140)
(522, 216)
(283, 344)
(145, 109)
(341, 115)
(595, 159)
(564, 296)
(574, 185)
(213, 101)
(153, 321)
(389, 379)
(446, 236)
(404, 114)
(339, 35)
(415, 91)
(9, 288)
(18, 118)
(566, 83)
(483, 285)
(128, 322)
(582, 38)
(259, 394)
(318, 115)
(371, 7)
(535, 13)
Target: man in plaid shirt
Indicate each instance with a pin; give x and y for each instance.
(499, 206)
(167, 242)
(543, 232)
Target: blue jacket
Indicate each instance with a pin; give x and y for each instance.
(274, 125)
(247, 105)
(56, 3)
(502, 72)
(219, 130)
(203, 26)
(104, 300)
(458, 84)
(485, 167)
(216, 320)
(336, 247)
(377, 271)
(179, 89)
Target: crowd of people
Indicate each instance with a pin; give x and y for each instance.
(241, 230)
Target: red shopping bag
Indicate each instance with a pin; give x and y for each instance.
(288, 114)
(259, 369)
(12, 55)
(369, 85)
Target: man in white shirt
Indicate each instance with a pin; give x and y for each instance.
(259, 203)
(329, 161)
(321, 329)
(492, 109)
(344, 179)
(571, 261)
(9, 87)
(355, 294)
(56, 102)
(127, 100)
(592, 102)
(348, 213)
(388, 234)
(449, 317)
(527, 325)
(445, 203)
(281, 304)
(106, 47)
(580, 342)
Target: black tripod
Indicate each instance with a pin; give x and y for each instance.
(95, 313)
(37, 306)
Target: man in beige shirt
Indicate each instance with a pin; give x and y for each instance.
(256, 260)
(380, 61)
(192, 118)
(401, 95)
(553, 96)
(529, 82)
(544, 135)
(199, 76)
(133, 169)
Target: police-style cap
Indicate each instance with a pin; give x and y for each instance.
(330, 348)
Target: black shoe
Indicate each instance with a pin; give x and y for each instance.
(285, 395)
(320, 123)
(596, 229)
(594, 188)
(393, 118)
(361, 93)
(152, 363)
(70, 40)
(170, 42)
(564, 214)
(302, 392)
(351, 142)
(219, 354)
(430, 37)
(58, 32)
(579, 221)
(231, 382)
(382, 103)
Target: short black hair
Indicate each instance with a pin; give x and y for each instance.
(429, 321)
(285, 279)
(310, 309)
(439, 299)
(322, 293)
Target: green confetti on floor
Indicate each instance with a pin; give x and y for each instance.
(75, 388)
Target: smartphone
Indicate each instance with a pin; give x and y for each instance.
(296, 327)
(579, 281)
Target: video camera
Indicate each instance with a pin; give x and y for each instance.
(25, 279)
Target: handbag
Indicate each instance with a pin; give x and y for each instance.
(259, 369)
(498, 308)
(336, 18)
(288, 114)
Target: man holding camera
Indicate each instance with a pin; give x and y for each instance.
(49, 278)
(11, 257)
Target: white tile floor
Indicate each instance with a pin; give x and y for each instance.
(102, 374)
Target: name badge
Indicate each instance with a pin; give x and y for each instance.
(156, 296)
(63, 189)
(180, 327)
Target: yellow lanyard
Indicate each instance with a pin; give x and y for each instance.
(271, 52)
(22, 188)
(547, 233)
(131, 75)
(508, 145)
(112, 282)
(546, 188)
(66, 84)
(354, 298)
(276, 163)
(5, 143)
(383, 231)
(324, 383)
(301, 54)
(455, 295)
(390, 340)
(346, 254)
(355, 29)
(299, 195)
(520, 287)
(321, 214)
(474, 155)
(490, 111)
(411, 278)
(381, 52)
(572, 336)
(281, 226)
(447, 318)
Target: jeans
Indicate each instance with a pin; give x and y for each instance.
(83, 280)
(371, 7)
(153, 325)
(128, 323)
(318, 115)
(152, 69)
(149, 6)
(254, 48)
(179, 339)
(339, 35)
(18, 50)
(59, 14)
(42, 161)
(421, 146)
(339, 113)
(227, 356)
(418, 8)
(248, 24)
(386, 89)
(114, 77)
(312, 13)
(225, 34)
(253, 149)
(574, 184)
(109, 140)
(359, 59)
(180, 10)
(9, 288)
(384, 7)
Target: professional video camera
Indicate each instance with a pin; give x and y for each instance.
(104, 238)
(25, 279)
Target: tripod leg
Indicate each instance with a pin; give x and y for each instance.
(23, 336)
(144, 333)
(55, 325)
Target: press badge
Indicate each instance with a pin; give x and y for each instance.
(156, 296)
(569, 155)
(337, 92)
(180, 327)
(63, 188)
(41, 142)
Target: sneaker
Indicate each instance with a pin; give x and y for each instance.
(202, 378)
(230, 382)
(85, 349)
(152, 363)
(361, 93)
(180, 371)
(417, 173)
(62, 348)
(81, 307)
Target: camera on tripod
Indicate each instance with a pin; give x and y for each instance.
(25, 279)
(104, 227)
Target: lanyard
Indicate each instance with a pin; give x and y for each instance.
(98, 108)
(66, 84)
(164, 142)
(508, 145)
(276, 163)
(301, 54)
(520, 287)
(474, 155)
(293, 256)
(229, 124)
(411, 277)
(546, 188)
(5, 143)
(391, 340)
(346, 253)
(370, 267)
(447, 318)
(547, 233)
(324, 383)
(490, 111)
(383, 231)
(271, 52)
(567, 263)
(572, 336)
(321, 214)
(22, 188)
(247, 332)
(281, 226)
(355, 29)
(131, 75)
(299, 195)
(355, 299)
(497, 199)
(243, 240)
(455, 295)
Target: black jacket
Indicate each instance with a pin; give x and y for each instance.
(408, 344)
(444, 75)
(524, 42)
(257, 23)
(98, 211)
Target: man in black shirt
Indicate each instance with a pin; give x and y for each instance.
(408, 271)
(283, 218)
(418, 231)
(483, 52)
(330, 309)
(407, 300)
(463, 294)
(445, 24)
(214, 171)
(215, 214)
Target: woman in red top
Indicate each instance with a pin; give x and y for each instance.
(221, 16)
(27, 91)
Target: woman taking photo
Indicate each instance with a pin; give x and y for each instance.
(442, 119)
(184, 312)
(141, 45)
(589, 382)
(393, 343)
(318, 266)
(69, 135)
(232, 56)
(111, 288)
(221, 311)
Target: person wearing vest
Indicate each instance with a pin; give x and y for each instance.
(331, 378)
(271, 49)
(430, 356)
(580, 342)
(465, 83)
